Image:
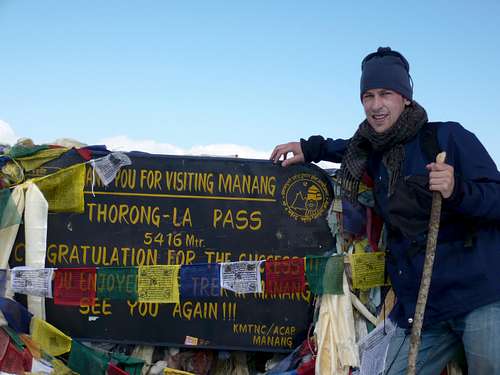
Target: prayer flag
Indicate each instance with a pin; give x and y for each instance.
(4, 342)
(118, 283)
(368, 269)
(32, 281)
(20, 150)
(35, 226)
(41, 157)
(32, 346)
(108, 166)
(60, 368)
(8, 210)
(40, 366)
(200, 280)
(324, 274)
(15, 361)
(50, 339)
(15, 338)
(17, 316)
(158, 284)
(9, 233)
(3, 282)
(131, 365)
(241, 277)
(75, 286)
(63, 190)
(85, 360)
(115, 370)
(285, 276)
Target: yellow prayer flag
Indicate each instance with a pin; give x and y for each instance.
(158, 284)
(49, 337)
(60, 368)
(368, 269)
(41, 157)
(63, 190)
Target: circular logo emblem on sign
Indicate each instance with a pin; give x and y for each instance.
(305, 197)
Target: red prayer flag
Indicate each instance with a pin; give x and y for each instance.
(75, 286)
(115, 370)
(13, 361)
(285, 276)
(4, 343)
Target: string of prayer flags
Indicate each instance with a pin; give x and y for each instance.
(241, 277)
(324, 274)
(32, 281)
(75, 286)
(108, 166)
(8, 210)
(63, 190)
(200, 280)
(118, 283)
(368, 269)
(285, 276)
(85, 360)
(158, 284)
(16, 315)
(50, 339)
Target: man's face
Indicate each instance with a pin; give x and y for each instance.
(382, 108)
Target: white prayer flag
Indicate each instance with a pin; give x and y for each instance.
(108, 166)
(241, 277)
(32, 281)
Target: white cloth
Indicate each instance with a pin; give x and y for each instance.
(35, 225)
(335, 333)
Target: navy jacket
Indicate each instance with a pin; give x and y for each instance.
(466, 271)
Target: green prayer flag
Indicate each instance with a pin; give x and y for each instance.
(8, 210)
(19, 151)
(325, 274)
(85, 360)
(118, 283)
(131, 365)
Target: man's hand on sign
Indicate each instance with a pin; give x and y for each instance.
(283, 151)
(441, 178)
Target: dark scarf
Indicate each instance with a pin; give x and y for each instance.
(390, 143)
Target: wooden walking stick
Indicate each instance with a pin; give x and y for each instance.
(425, 282)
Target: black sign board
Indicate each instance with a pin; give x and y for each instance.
(186, 210)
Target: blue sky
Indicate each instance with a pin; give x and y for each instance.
(177, 76)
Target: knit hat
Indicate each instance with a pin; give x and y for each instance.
(386, 69)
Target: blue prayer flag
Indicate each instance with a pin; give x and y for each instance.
(16, 315)
(200, 280)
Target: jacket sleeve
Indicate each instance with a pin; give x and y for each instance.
(477, 180)
(317, 148)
